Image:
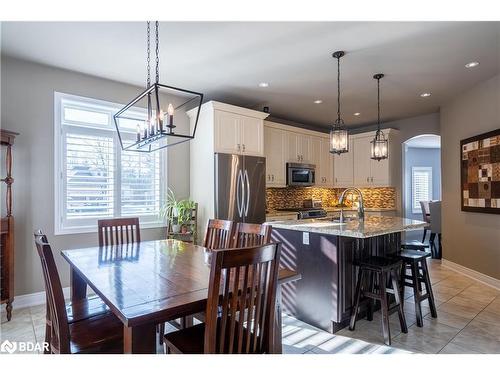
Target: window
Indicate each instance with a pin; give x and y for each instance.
(421, 186)
(94, 178)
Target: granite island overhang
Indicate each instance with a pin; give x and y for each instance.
(324, 252)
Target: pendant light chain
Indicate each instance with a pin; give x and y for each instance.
(148, 59)
(157, 52)
(378, 103)
(338, 90)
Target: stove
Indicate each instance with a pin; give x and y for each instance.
(307, 213)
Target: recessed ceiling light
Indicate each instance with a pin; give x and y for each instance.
(263, 84)
(425, 94)
(472, 64)
(318, 101)
(356, 113)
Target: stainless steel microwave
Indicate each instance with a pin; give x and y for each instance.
(300, 174)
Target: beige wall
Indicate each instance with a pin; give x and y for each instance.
(469, 239)
(27, 101)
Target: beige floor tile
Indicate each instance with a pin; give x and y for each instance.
(345, 345)
(474, 342)
(464, 311)
(468, 302)
(494, 305)
(419, 343)
(481, 328)
(456, 282)
(457, 349)
(488, 316)
(452, 320)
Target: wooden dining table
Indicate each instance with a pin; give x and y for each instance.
(151, 282)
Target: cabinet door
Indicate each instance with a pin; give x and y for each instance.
(326, 162)
(362, 161)
(315, 158)
(343, 168)
(292, 147)
(227, 133)
(379, 172)
(252, 136)
(305, 149)
(274, 151)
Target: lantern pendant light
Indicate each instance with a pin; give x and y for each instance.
(339, 136)
(151, 121)
(379, 148)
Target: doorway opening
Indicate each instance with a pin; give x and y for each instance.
(421, 177)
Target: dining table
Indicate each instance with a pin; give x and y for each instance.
(151, 282)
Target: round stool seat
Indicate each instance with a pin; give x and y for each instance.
(413, 255)
(377, 263)
(414, 245)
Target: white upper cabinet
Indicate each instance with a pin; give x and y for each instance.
(343, 168)
(298, 148)
(321, 157)
(274, 150)
(237, 130)
(373, 173)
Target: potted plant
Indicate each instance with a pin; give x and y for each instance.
(177, 213)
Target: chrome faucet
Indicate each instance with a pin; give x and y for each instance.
(361, 207)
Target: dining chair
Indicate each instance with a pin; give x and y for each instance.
(118, 231)
(75, 310)
(247, 234)
(435, 227)
(219, 234)
(95, 334)
(240, 311)
(424, 205)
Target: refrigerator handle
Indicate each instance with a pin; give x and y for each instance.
(247, 193)
(238, 189)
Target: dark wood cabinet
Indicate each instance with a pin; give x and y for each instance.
(7, 229)
(324, 296)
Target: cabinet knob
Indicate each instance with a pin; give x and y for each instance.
(371, 179)
(273, 177)
(239, 147)
(243, 147)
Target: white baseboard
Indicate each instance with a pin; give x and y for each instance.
(478, 276)
(34, 299)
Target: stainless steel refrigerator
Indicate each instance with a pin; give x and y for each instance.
(240, 188)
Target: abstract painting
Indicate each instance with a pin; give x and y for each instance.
(480, 173)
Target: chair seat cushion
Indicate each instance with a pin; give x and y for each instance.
(86, 308)
(414, 245)
(98, 334)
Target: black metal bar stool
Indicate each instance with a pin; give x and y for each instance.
(414, 245)
(383, 269)
(415, 261)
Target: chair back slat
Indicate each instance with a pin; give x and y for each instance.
(219, 234)
(241, 299)
(247, 235)
(60, 337)
(118, 231)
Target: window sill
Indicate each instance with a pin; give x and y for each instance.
(93, 229)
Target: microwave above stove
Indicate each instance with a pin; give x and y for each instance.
(300, 174)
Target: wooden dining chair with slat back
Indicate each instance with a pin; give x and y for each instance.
(247, 235)
(97, 334)
(86, 308)
(118, 231)
(240, 306)
(219, 234)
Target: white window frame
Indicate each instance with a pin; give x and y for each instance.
(414, 208)
(61, 226)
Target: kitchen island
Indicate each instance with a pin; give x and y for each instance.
(324, 253)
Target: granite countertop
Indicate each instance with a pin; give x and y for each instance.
(369, 209)
(372, 226)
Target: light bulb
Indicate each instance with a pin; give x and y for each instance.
(170, 109)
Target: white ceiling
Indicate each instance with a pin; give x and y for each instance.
(424, 141)
(227, 60)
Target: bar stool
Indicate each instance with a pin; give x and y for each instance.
(415, 261)
(414, 245)
(383, 269)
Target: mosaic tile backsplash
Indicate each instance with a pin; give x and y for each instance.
(291, 197)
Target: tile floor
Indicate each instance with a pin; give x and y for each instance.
(468, 322)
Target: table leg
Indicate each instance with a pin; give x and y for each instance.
(140, 339)
(78, 286)
(278, 325)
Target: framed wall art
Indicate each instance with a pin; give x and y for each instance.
(480, 173)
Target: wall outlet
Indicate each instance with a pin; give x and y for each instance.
(305, 238)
